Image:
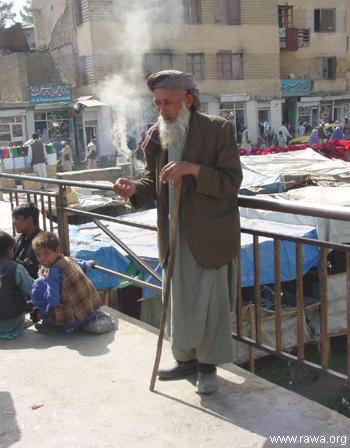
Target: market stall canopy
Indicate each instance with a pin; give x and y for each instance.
(305, 162)
(89, 101)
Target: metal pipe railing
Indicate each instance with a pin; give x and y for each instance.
(255, 316)
(280, 205)
(127, 277)
(48, 180)
(297, 208)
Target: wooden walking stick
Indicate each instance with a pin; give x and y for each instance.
(167, 282)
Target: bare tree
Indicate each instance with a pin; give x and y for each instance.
(27, 13)
(7, 16)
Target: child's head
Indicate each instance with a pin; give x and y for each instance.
(25, 217)
(47, 249)
(7, 244)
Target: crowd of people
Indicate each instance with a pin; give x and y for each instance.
(285, 134)
(64, 153)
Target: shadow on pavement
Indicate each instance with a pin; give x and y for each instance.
(9, 430)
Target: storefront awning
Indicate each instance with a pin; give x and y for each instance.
(91, 103)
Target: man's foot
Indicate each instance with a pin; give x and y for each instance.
(46, 328)
(207, 383)
(178, 371)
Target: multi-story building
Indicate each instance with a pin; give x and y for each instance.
(254, 61)
(315, 69)
(231, 46)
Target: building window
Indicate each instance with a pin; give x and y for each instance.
(192, 13)
(78, 12)
(154, 62)
(82, 71)
(12, 130)
(263, 120)
(326, 68)
(235, 112)
(303, 37)
(324, 20)
(309, 115)
(229, 65)
(52, 124)
(195, 65)
(227, 12)
(285, 16)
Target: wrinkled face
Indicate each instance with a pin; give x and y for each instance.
(22, 224)
(169, 103)
(46, 257)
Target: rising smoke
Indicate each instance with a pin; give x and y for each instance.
(142, 27)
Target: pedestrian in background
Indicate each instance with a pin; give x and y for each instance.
(66, 157)
(91, 154)
(37, 157)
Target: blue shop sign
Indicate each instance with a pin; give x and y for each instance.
(295, 87)
(50, 93)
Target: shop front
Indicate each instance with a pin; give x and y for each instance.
(254, 114)
(309, 112)
(13, 129)
(52, 117)
(92, 120)
(294, 108)
(335, 108)
(234, 109)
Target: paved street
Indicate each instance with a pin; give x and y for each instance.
(92, 392)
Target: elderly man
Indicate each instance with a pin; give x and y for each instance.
(201, 150)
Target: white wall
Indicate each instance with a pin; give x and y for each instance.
(252, 121)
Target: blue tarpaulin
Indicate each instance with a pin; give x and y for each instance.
(144, 243)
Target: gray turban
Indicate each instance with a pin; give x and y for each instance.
(174, 80)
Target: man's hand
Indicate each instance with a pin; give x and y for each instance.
(173, 171)
(124, 187)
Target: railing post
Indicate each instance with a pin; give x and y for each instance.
(62, 219)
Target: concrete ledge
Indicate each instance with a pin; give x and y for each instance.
(109, 174)
(94, 393)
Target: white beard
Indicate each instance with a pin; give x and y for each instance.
(174, 134)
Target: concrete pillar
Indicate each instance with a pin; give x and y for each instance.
(252, 121)
(30, 123)
(214, 108)
(276, 114)
(104, 124)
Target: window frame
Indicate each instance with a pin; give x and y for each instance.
(326, 68)
(224, 12)
(161, 65)
(192, 12)
(191, 63)
(318, 21)
(225, 65)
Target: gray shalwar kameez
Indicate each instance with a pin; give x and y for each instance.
(201, 299)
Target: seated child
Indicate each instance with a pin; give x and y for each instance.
(15, 290)
(64, 295)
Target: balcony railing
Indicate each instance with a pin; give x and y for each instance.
(294, 38)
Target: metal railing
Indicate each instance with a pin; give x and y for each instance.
(253, 324)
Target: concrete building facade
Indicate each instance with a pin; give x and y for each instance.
(317, 53)
(237, 71)
(254, 62)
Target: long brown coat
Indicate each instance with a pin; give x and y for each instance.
(209, 203)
